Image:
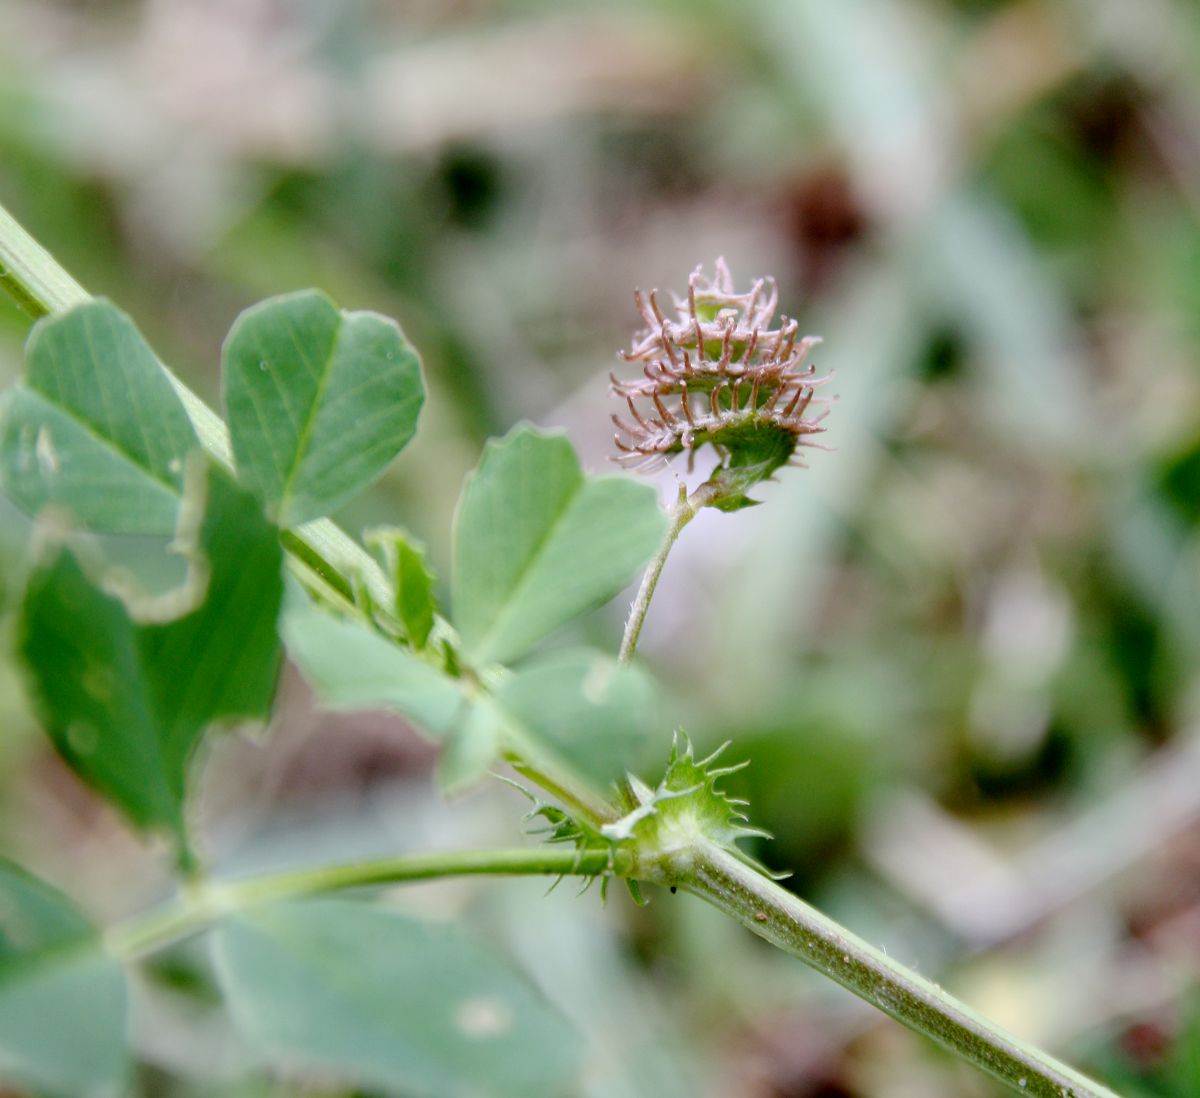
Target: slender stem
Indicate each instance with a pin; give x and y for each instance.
(682, 512)
(202, 904)
(785, 921)
(39, 285)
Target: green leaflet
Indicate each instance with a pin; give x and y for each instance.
(319, 401)
(536, 543)
(127, 700)
(62, 1000)
(471, 747)
(592, 715)
(352, 667)
(389, 1002)
(96, 427)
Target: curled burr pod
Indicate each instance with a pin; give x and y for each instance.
(714, 371)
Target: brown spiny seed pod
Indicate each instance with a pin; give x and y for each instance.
(718, 373)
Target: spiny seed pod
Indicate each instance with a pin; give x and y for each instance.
(718, 373)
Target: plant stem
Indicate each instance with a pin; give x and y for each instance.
(320, 550)
(29, 274)
(204, 903)
(682, 512)
(785, 921)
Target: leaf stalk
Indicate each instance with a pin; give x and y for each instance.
(202, 903)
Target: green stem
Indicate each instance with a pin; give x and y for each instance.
(785, 921)
(202, 904)
(29, 274)
(682, 512)
(320, 550)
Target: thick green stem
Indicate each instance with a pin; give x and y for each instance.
(322, 551)
(29, 274)
(201, 904)
(785, 921)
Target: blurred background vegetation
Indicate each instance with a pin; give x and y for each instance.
(961, 650)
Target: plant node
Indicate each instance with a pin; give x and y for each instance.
(681, 816)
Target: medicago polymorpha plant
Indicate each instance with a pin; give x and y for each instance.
(99, 437)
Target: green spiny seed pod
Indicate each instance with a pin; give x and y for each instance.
(718, 373)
